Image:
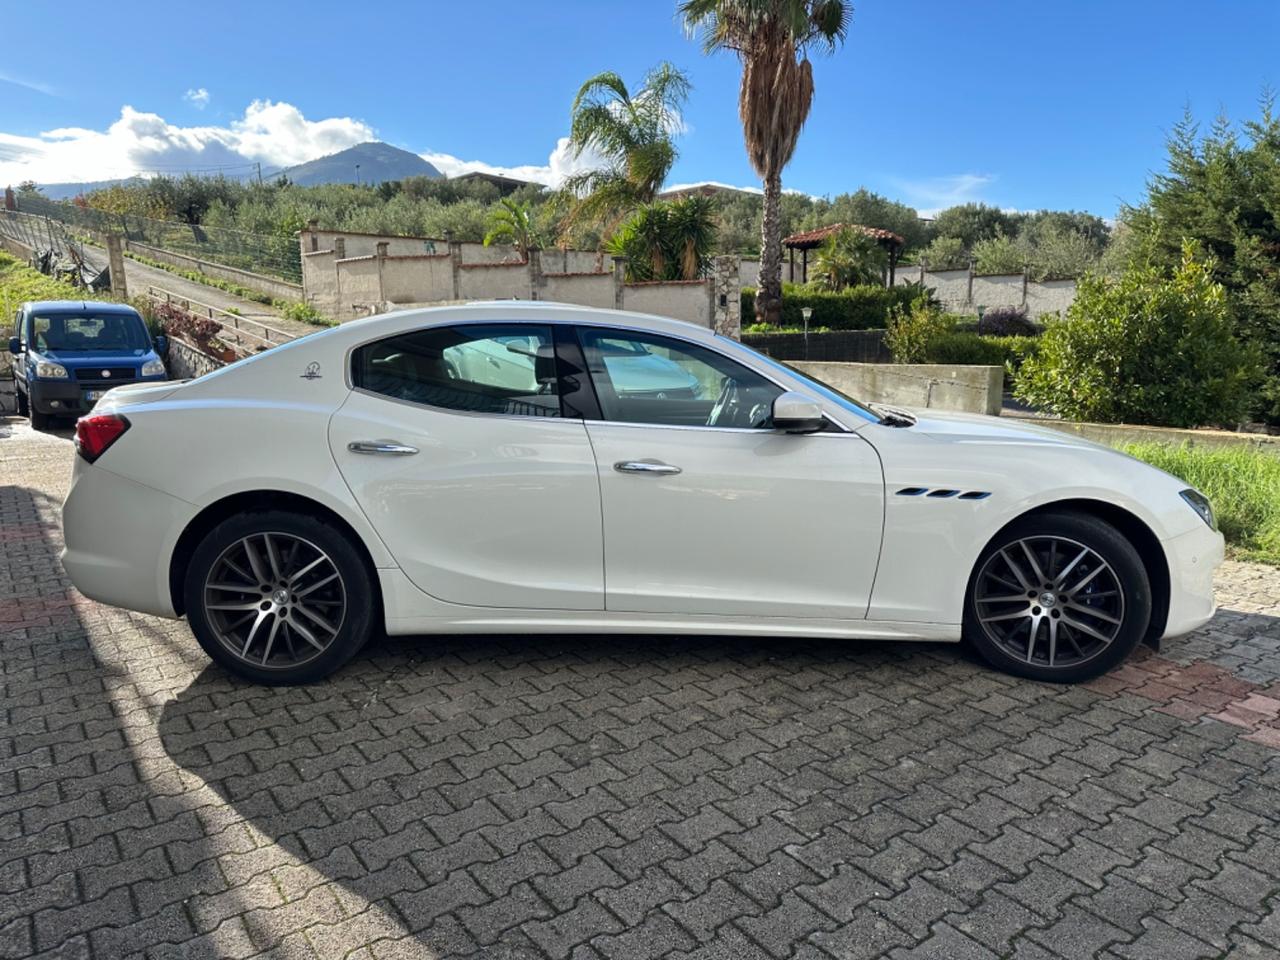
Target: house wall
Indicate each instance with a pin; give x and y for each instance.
(495, 282)
(588, 289)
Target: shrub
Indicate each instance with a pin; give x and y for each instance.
(849, 258)
(969, 348)
(854, 308)
(1007, 321)
(913, 329)
(1146, 348)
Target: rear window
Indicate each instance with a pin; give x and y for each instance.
(106, 332)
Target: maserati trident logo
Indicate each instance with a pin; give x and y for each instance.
(312, 372)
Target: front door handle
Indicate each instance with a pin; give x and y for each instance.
(389, 448)
(650, 467)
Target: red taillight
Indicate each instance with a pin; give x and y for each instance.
(94, 434)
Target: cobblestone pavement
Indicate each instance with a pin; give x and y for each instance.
(609, 798)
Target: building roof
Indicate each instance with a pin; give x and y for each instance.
(809, 239)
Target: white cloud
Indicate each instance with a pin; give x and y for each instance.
(198, 97)
(560, 164)
(937, 193)
(274, 134)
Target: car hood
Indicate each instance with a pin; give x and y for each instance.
(95, 358)
(976, 428)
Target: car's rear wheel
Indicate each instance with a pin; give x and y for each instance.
(39, 421)
(279, 597)
(1062, 597)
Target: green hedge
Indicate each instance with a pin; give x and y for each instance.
(857, 308)
(960, 347)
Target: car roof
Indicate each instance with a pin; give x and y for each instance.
(79, 306)
(547, 310)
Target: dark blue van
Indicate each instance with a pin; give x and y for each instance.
(70, 352)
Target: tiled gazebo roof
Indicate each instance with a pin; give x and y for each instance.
(809, 239)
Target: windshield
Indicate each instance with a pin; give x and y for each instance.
(113, 332)
(817, 386)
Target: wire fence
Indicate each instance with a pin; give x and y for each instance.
(256, 252)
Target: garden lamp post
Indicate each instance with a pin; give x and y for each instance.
(806, 312)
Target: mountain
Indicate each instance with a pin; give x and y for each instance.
(378, 162)
(65, 191)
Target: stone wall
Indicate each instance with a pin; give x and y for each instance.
(185, 362)
(972, 389)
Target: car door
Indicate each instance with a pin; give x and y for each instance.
(456, 444)
(707, 509)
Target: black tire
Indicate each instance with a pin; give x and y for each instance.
(1123, 611)
(40, 421)
(354, 582)
(23, 408)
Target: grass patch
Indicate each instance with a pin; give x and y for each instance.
(1243, 485)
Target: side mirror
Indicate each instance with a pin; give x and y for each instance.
(15, 346)
(797, 413)
(162, 344)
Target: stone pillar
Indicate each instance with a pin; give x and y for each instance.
(726, 296)
(1026, 277)
(619, 282)
(339, 248)
(969, 294)
(535, 275)
(381, 248)
(115, 259)
(455, 261)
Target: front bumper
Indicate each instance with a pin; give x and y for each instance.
(70, 398)
(120, 536)
(1193, 558)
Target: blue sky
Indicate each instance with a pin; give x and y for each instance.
(1021, 104)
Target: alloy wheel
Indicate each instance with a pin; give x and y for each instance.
(1049, 601)
(275, 600)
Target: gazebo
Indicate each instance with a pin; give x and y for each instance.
(811, 239)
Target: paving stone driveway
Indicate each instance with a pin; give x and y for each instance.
(591, 797)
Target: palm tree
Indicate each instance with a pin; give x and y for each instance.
(849, 257)
(632, 134)
(772, 39)
(512, 223)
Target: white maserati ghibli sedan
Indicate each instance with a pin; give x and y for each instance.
(512, 467)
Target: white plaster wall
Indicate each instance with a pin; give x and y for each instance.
(590, 290)
(357, 285)
(496, 282)
(749, 271)
(683, 301)
(1050, 296)
(320, 281)
(417, 279)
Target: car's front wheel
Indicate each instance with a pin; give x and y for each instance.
(23, 409)
(1062, 597)
(279, 597)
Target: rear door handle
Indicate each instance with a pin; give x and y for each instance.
(389, 448)
(651, 467)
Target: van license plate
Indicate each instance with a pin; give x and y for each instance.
(92, 395)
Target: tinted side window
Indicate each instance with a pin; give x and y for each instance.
(492, 368)
(642, 378)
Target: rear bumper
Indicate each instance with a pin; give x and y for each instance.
(120, 536)
(1193, 558)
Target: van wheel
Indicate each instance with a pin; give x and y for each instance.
(279, 597)
(1062, 597)
(40, 421)
(23, 409)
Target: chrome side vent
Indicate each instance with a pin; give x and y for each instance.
(943, 493)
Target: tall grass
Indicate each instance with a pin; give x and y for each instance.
(1243, 485)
